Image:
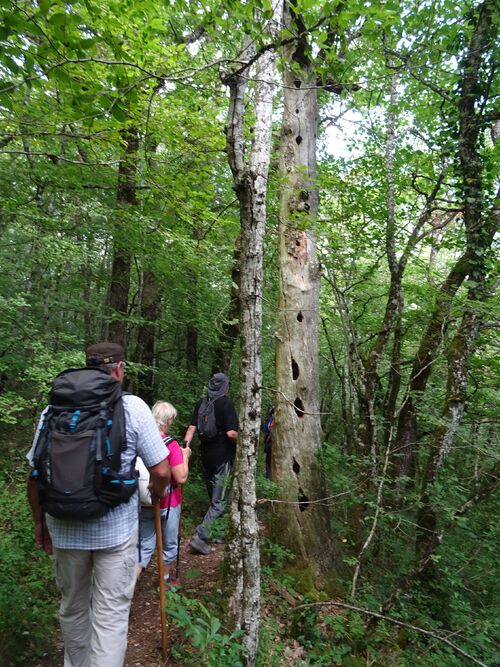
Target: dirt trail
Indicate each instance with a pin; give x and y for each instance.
(198, 575)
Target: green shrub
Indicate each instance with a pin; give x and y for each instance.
(27, 593)
(208, 643)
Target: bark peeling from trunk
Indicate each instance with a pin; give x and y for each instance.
(250, 175)
(297, 432)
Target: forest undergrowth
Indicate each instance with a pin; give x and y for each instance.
(299, 627)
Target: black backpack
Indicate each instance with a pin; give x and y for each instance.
(205, 422)
(77, 456)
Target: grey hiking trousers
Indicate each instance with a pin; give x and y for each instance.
(217, 483)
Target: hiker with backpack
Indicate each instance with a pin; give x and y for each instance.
(83, 482)
(216, 421)
(170, 506)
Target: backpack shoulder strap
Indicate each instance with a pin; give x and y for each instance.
(42, 435)
(116, 432)
(167, 439)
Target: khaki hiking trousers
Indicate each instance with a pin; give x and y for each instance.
(96, 589)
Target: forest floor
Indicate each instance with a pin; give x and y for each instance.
(199, 576)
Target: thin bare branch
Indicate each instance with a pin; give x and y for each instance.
(394, 621)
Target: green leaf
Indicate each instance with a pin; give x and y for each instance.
(59, 19)
(11, 64)
(60, 74)
(118, 113)
(44, 6)
(5, 99)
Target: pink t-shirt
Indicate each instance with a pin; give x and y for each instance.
(174, 458)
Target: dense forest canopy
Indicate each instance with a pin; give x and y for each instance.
(306, 197)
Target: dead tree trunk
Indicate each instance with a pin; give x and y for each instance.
(303, 522)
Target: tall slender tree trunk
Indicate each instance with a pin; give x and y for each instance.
(250, 183)
(191, 347)
(391, 323)
(231, 325)
(146, 335)
(480, 229)
(303, 522)
(191, 325)
(394, 305)
(118, 296)
(430, 344)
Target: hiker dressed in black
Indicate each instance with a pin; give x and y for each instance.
(216, 421)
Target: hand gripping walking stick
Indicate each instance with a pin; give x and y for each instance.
(159, 554)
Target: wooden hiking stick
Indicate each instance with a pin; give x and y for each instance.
(159, 555)
(177, 562)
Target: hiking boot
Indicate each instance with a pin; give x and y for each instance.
(219, 540)
(200, 546)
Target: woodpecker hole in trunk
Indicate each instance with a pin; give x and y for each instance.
(303, 501)
(300, 317)
(295, 466)
(299, 407)
(295, 369)
(298, 140)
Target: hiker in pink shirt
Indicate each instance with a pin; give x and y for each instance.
(170, 506)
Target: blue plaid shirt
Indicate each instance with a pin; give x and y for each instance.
(118, 525)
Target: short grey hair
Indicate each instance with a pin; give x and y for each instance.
(164, 414)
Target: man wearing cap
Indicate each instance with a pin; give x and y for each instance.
(95, 558)
(217, 457)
